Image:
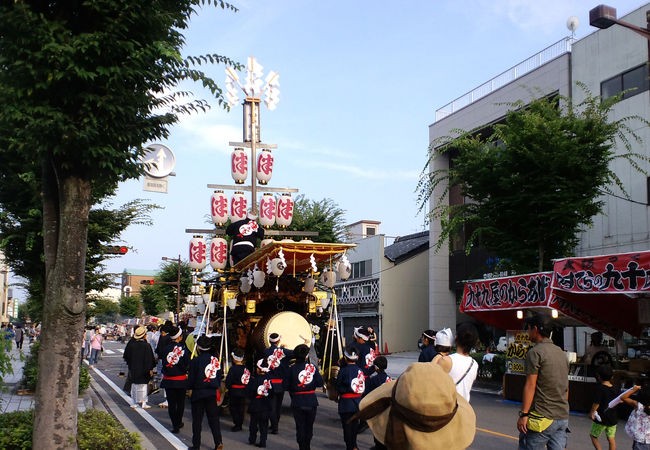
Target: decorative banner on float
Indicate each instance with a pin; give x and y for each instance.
(515, 292)
(518, 345)
(623, 273)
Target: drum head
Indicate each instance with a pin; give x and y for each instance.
(293, 328)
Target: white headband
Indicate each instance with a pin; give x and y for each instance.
(236, 358)
(362, 336)
(177, 335)
(427, 336)
(274, 340)
(351, 356)
(259, 366)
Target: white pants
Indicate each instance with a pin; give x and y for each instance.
(139, 394)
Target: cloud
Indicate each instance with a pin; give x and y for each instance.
(207, 136)
(362, 171)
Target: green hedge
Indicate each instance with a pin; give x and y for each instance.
(491, 370)
(30, 371)
(95, 430)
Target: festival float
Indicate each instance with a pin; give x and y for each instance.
(266, 279)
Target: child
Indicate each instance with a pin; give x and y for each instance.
(604, 418)
(236, 382)
(638, 424)
(444, 343)
(350, 384)
(204, 380)
(259, 392)
(380, 377)
(301, 381)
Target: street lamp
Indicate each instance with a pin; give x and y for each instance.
(177, 283)
(603, 16)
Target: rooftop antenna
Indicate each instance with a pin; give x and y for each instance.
(572, 24)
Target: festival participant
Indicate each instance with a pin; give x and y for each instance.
(464, 368)
(428, 351)
(365, 351)
(244, 234)
(444, 342)
(277, 358)
(301, 381)
(175, 364)
(259, 393)
(236, 382)
(380, 376)
(204, 380)
(350, 384)
(141, 361)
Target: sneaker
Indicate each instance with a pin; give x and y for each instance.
(163, 404)
(145, 406)
(133, 406)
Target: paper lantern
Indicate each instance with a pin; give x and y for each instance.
(345, 270)
(309, 285)
(250, 306)
(264, 166)
(232, 303)
(328, 278)
(245, 285)
(265, 242)
(312, 307)
(201, 308)
(277, 266)
(213, 307)
(239, 165)
(258, 278)
(219, 208)
(285, 210)
(267, 210)
(238, 205)
(198, 253)
(218, 253)
(325, 301)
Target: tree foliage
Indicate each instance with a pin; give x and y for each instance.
(103, 309)
(130, 306)
(162, 297)
(323, 216)
(532, 182)
(84, 85)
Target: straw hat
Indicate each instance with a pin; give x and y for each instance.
(424, 396)
(140, 332)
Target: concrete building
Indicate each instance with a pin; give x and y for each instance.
(388, 288)
(607, 62)
(131, 279)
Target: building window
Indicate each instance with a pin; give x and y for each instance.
(362, 269)
(635, 80)
(370, 231)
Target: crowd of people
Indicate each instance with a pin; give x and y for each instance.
(18, 332)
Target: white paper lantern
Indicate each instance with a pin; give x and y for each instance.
(232, 303)
(218, 253)
(198, 253)
(328, 278)
(239, 165)
(267, 210)
(213, 307)
(345, 270)
(245, 285)
(203, 298)
(277, 266)
(258, 278)
(219, 208)
(309, 285)
(285, 211)
(324, 302)
(198, 299)
(266, 242)
(201, 308)
(238, 206)
(264, 166)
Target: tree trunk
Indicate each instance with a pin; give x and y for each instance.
(64, 307)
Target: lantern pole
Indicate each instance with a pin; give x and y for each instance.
(254, 102)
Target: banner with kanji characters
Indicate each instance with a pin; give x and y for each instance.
(515, 292)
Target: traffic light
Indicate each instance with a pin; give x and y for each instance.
(115, 249)
(148, 282)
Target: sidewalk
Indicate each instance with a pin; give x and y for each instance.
(10, 401)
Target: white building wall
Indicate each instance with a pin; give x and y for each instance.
(624, 226)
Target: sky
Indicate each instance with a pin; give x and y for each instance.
(359, 85)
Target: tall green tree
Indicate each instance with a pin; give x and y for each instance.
(83, 86)
(532, 182)
(102, 309)
(323, 216)
(130, 306)
(162, 297)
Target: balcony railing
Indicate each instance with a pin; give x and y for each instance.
(549, 53)
(361, 291)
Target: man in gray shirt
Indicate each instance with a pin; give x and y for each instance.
(544, 416)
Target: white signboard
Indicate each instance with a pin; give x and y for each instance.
(155, 184)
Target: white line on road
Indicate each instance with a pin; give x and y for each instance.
(164, 432)
(108, 352)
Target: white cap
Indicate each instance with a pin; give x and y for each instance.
(445, 338)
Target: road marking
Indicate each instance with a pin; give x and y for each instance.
(164, 432)
(497, 433)
(108, 352)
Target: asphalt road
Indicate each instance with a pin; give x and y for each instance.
(496, 419)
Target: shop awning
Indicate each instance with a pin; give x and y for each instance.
(609, 293)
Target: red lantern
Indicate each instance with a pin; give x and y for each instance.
(218, 253)
(285, 211)
(239, 166)
(264, 166)
(198, 253)
(238, 206)
(219, 208)
(267, 210)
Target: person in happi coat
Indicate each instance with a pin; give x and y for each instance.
(350, 384)
(236, 382)
(140, 359)
(301, 381)
(259, 392)
(277, 358)
(175, 365)
(204, 380)
(365, 351)
(428, 351)
(244, 234)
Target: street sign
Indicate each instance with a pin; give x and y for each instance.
(155, 184)
(159, 161)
